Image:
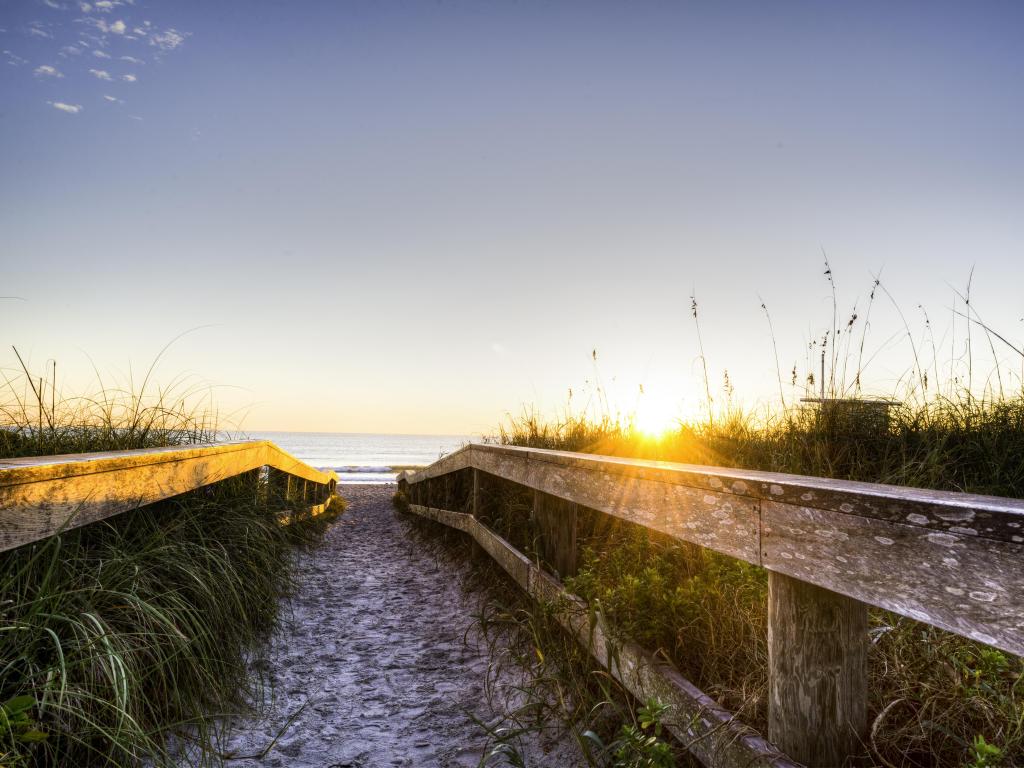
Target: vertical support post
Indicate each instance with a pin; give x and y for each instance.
(571, 550)
(817, 666)
(475, 510)
(289, 493)
(555, 522)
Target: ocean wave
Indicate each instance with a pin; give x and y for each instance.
(361, 469)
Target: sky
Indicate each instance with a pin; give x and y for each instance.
(417, 217)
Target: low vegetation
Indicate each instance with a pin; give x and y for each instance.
(126, 641)
(560, 688)
(936, 699)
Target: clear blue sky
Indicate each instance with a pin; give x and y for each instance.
(415, 216)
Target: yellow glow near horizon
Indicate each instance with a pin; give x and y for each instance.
(656, 414)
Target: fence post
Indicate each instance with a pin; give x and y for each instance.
(817, 668)
(555, 520)
(475, 511)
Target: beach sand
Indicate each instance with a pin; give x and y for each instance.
(375, 646)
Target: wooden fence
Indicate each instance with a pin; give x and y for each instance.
(831, 548)
(42, 495)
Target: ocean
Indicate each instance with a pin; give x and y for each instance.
(364, 458)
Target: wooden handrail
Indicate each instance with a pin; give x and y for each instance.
(952, 560)
(831, 547)
(40, 495)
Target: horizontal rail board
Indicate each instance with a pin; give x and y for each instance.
(710, 732)
(952, 560)
(41, 495)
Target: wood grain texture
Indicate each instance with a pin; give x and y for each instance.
(992, 517)
(952, 560)
(818, 677)
(555, 522)
(722, 521)
(965, 584)
(40, 496)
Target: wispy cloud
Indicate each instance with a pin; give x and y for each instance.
(168, 40)
(106, 6)
(93, 32)
(45, 70)
(37, 29)
(14, 59)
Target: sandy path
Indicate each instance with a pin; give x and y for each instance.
(375, 642)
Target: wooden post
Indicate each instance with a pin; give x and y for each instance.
(817, 667)
(475, 501)
(555, 521)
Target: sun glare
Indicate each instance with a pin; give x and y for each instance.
(656, 415)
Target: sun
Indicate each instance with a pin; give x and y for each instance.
(656, 414)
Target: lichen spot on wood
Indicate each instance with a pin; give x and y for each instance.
(956, 515)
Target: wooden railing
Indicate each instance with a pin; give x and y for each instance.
(832, 548)
(42, 495)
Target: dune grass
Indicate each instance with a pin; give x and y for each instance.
(38, 418)
(936, 699)
(126, 641)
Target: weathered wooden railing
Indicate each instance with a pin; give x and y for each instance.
(831, 548)
(42, 495)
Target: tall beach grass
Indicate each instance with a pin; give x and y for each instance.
(127, 641)
(936, 699)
